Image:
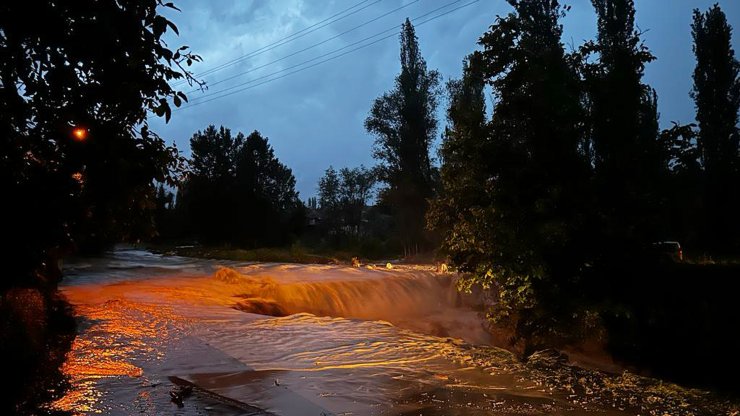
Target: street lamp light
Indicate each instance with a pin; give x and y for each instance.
(79, 134)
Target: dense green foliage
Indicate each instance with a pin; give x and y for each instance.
(237, 192)
(525, 169)
(404, 124)
(555, 199)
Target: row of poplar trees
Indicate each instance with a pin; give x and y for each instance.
(560, 190)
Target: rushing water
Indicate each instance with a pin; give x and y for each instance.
(315, 340)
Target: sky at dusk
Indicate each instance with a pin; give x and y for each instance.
(314, 118)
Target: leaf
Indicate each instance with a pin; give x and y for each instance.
(173, 27)
(159, 25)
(172, 6)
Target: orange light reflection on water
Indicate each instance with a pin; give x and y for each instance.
(113, 336)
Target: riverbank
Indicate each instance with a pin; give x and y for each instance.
(293, 254)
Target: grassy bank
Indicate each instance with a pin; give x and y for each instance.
(293, 254)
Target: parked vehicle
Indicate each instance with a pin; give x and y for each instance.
(670, 249)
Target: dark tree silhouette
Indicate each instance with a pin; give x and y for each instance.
(343, 197)
(404, 123)
(269, 208)
(717, 96)
(164, 213)
(208, 196)
(74, 70)
(465, 155)
(312, 203)
(238, 192)
(329, 202)
(77, 161)
(624, 128)
(518, 226)
(354, 192)
(554, 203)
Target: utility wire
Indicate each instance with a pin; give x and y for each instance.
(317, 63)
(390, 29)
(292, 37)
(317, 44)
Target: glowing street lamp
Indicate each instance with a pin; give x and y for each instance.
(79, 134)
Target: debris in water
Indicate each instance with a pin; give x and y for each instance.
(179, 393)
(176, 398)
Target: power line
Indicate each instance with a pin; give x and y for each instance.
(390, 29)
(319, 44)
(292, 37)
(317, 63)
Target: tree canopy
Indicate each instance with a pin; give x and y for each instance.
(99, 68)
(404, 123)
(716, 93)
(237, 191)
(77, 160)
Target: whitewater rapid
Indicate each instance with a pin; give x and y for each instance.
(313, 340)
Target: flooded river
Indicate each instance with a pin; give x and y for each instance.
(259, 339)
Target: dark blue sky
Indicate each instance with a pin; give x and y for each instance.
(314, 118)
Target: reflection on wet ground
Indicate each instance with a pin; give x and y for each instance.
(149, 320)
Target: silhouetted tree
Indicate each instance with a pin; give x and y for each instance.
(68, 72)
(268, 206)
(354, 192)
(312, 203)
(404, 123)
(238, 192)
(519, 224)
(624, 129)
(100, 67)
(465, 171)
(717, 96)
(329, 202)
(164, 217)
(209, 197)
(682, 186)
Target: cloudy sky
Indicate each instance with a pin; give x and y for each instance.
(314, 116)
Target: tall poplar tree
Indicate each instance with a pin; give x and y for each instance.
(404, 124)
(717, 96)
(624, 127)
